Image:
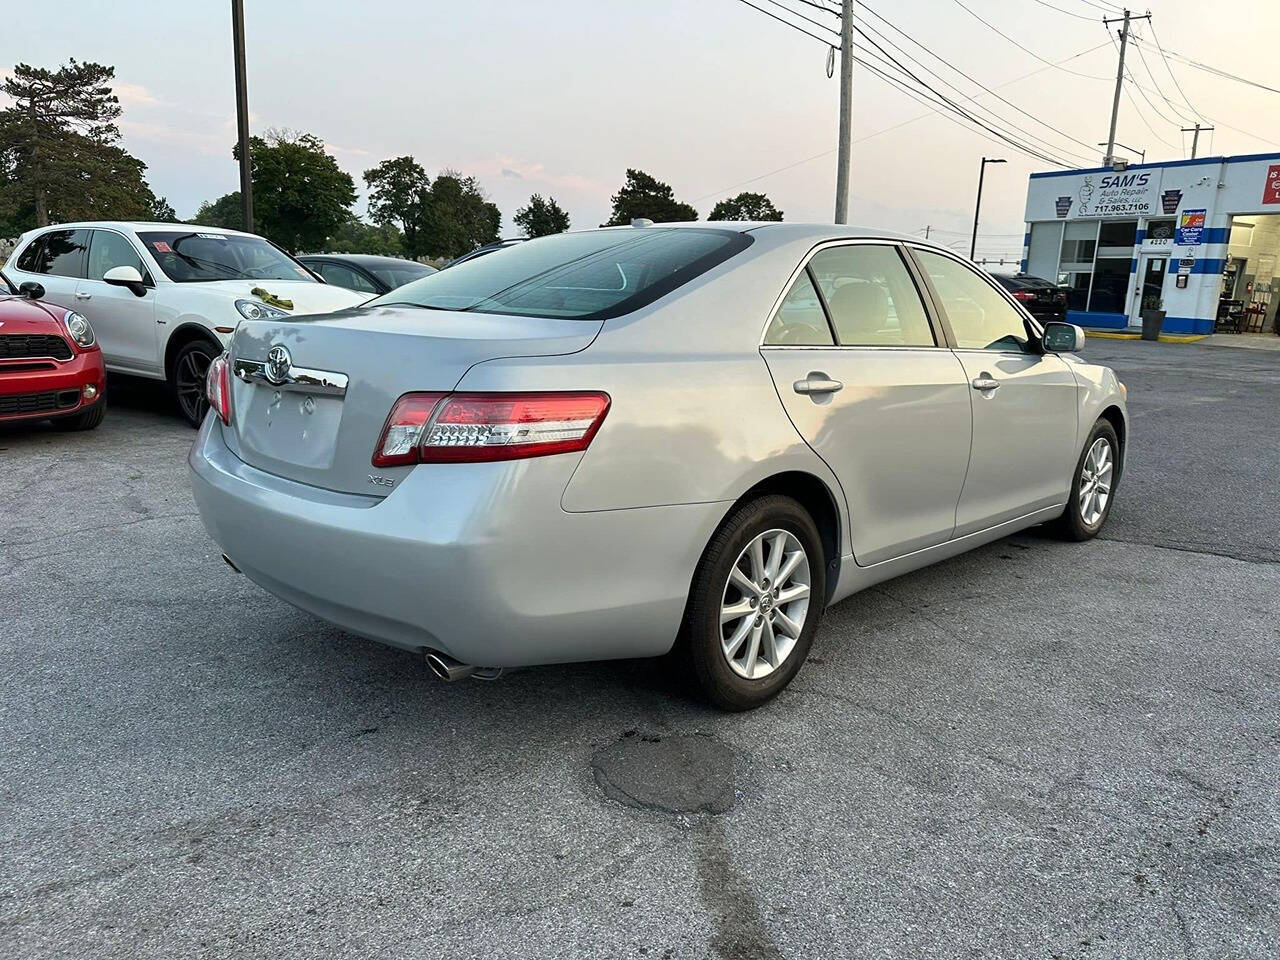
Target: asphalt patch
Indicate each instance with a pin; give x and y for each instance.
(687, 773)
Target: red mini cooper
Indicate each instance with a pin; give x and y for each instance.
(50, 365)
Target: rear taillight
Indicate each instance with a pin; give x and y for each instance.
(471, 427)
(1023, 295)
(217, 387)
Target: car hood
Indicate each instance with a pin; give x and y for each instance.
(18, 315)
(306, 297)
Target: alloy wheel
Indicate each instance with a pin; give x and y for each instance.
(1095, 481)
(765, 603)
(188, 382)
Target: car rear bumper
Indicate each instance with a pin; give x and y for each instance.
(56, 389)
(478, 561)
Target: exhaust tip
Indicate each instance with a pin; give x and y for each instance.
(447, 668)
(229, 563)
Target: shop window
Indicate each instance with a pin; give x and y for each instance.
(1160, 229)
(1118, 233)
(1044, 250)
(1077, 284)
(1079, 243)
(1110, 284)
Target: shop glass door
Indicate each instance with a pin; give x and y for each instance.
(1152, 269)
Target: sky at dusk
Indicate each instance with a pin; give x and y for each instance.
(711, 96)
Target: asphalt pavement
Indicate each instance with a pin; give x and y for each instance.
(1039, 749)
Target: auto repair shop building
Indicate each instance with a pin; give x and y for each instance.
(1194, 237)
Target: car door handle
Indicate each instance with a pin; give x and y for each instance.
(984, 382)
(83, 296)
(817, 383)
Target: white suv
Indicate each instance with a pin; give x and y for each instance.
(164, 298)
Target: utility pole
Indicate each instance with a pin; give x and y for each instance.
(242, 114)
(1110, 155)
(845, 147)
(1195, 139)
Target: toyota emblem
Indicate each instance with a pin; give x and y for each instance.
(279, 364)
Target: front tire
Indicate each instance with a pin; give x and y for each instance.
(756, 600)
(1093, 487)
(186, 380)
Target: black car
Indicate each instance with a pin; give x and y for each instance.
(484, 251)
(365, 273)
(1044, 300)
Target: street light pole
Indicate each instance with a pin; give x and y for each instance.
(846, 111)
(977, 207)
(242, 114)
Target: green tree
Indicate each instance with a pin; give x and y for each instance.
(457, 217)
(356, 236)
(300, 194)
(398, 195)
(223, 212)
(643, 196)
(162, 211)
(541, 217)
(60, 157)
(745, 206)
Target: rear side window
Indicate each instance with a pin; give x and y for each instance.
(871, 297)
(592, 275)
(980, 317)
(342, 276)
(800, 320)
(29, 262)
(108, 250)
(60, 253)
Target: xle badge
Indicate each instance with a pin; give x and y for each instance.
(382, 481)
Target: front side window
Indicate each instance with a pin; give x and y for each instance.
(800, 320)
(871, 297)
(592, 275)
(343, 276)
(980, 317)
(59, 253)
(188, 256)
(108, 250)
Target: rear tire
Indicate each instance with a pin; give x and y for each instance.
(1093, 486)
(86, 419)
(186, 379)
(756, 600)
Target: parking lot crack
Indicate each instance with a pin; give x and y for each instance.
(1202, 551)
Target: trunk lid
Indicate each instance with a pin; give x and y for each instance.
(327, 438)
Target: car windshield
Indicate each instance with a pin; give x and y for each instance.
(188, 256)
(590, 276)
(398, 274)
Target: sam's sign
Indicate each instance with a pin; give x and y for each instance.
(1112, 194)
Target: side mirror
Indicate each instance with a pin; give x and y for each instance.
(31, 290)
(1062, 338)
(126, 276)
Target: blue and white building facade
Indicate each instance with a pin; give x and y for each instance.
(1175, 236)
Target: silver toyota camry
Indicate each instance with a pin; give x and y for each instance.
(609, 443)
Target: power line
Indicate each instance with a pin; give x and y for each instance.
(797, 13)
(1026, 50)
(1217, 72)
(941, 100)
(962, 73)
(1169, 67)
(884, 130)
(1182, 117)
(1082, 16)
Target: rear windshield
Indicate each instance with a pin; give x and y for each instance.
(398, 274)
(188, 256)
(592, 275)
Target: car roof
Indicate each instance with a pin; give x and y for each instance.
(786, 231)
(139, 225)
(363, 259)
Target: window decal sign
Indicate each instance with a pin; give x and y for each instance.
(1271, 189)
(1190, 228)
